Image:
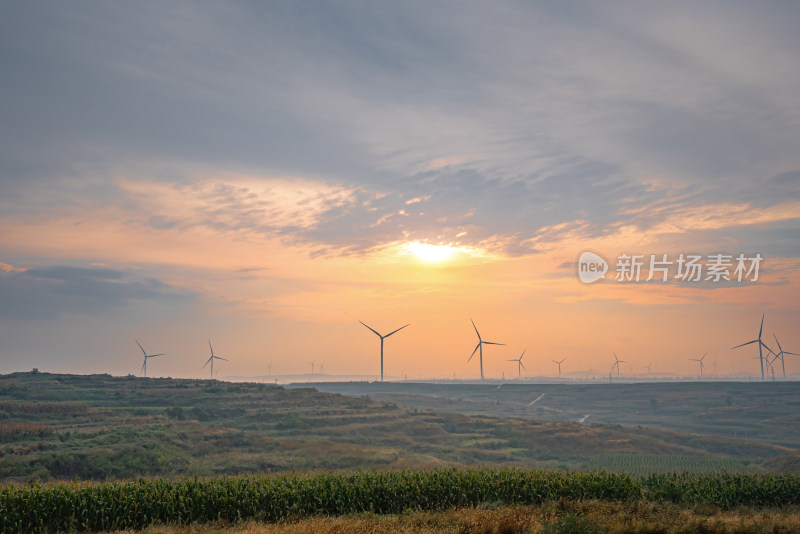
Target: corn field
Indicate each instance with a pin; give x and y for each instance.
(124, 505)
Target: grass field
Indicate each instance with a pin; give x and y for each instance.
(760, 411)
(97, 427)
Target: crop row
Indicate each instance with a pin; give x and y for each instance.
(136, 504)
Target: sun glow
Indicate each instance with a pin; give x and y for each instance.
(431, 253)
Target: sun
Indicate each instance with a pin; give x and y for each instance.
(431, 253)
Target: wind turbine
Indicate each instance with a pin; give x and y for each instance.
(761, 345)
(559, 365)
(382, 338)
(144, 365)
(269, 369)
(312, 366)
(212, 358)
(616, 363)
(780, 354)
(520, 366)
(700, 361)
(479, 347)
(648, 367)
(322, 368)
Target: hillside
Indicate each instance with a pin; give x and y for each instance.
(98, 426)
(762, 411)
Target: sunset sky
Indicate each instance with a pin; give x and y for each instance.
(267, 174)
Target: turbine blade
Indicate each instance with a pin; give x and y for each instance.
(743, 344)
(523, 365)
(491, 343)
(210, 347)
(474, 351)
(615, 355)
(521, 355)
(565, 359)
(476, 329)
(218, 358)
(792, 353)
(373, 330)
(207, 362)
(778, 342)
(140, 346)
(154, 355)
(762, 326)
(394, 332)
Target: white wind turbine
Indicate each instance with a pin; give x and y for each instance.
(520, 365)
(780, 354)
(700, 361)
(146, 356)
(212, 358)
(559, 365)
(479, 347)
(382, 338)
(761, 345)
(616, 363)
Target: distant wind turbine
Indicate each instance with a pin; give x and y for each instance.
(479, 347)
(322, 368)
(212, 358)
(700, 361)
(616, 364)
(144, 365)
(780, 354)
(312, 366)
(559, 365)
(520, 365)
(761, 345)
(269, 369)
(382, 338)
(648, 367)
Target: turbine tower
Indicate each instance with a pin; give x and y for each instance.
(312, 366)
(382, 338)
(479, 347)
(761, 345)
(780, 354)
(700, 361)
(559, 365)
(520, 365)
(616, 363)
(212, 358)
(144, 365)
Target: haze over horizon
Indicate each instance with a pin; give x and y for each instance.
(269, 175)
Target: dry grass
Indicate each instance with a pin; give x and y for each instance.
(561, 517)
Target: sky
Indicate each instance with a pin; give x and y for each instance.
(265, 175)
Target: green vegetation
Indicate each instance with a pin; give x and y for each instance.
(759, 411)
(87, 507)
(564, 516)
(66, 427)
